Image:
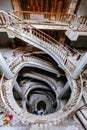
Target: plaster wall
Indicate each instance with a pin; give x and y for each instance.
(5, 5)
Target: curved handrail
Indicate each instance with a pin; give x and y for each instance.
(33, 60)
(49, 41)
(25, 117)
(50, 81)
(27, 25)
(54, 49)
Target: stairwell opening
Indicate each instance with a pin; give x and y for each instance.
(41, 89)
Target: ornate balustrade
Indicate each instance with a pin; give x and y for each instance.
(29, 15)
(46, 41)
(75, 22)
(25, 117)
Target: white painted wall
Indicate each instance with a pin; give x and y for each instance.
(5, 5)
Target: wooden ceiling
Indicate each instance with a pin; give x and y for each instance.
(53, 6)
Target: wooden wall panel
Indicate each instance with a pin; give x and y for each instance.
(16, 6)
(72, 6)
(31, 2)
(59, 6)
(46, 6)
(42, 5)
(25, 5)
(66, 6)
(36, 3)
(53, 6)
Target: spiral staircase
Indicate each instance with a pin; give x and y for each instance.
(39, 79)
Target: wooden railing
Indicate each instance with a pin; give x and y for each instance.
(73, 21)
(44, 16)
